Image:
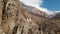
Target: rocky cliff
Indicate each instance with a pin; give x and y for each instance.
(17, 18)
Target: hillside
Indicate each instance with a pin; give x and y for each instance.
(17, 18)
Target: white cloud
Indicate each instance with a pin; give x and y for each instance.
(37, 4)
(45, 10)
(32, 2)
(57, 11)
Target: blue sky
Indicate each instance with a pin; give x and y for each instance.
(53, 5)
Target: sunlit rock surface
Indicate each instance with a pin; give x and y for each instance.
(17, 18)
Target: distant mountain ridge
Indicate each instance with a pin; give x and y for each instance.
(34, 10)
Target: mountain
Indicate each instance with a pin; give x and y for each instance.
(17, 18)
(34, 10)
(57, 15)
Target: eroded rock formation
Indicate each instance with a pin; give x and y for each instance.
(17, 18)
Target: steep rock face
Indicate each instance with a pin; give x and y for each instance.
(1, 9)
(17, 18)
(56, 19)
